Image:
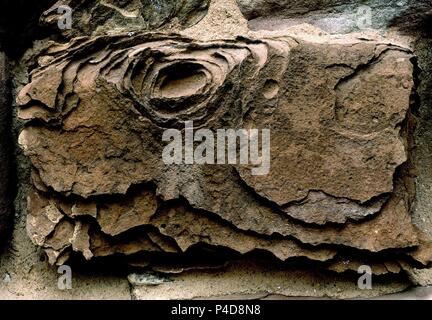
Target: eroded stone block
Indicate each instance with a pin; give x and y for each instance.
(338, 110)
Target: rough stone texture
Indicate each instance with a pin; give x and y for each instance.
(340, 192)
(240, 280)
(104, 114)
(99, 16)
(335, 16)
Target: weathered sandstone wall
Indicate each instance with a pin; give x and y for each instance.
(343, 87)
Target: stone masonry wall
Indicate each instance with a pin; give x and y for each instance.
(333, 96)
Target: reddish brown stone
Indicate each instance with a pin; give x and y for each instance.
(336, 109)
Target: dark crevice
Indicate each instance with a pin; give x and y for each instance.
(19, 24)
(7, 172)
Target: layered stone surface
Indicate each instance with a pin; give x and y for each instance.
(349, 117)
(93, 17)
(338, 110)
